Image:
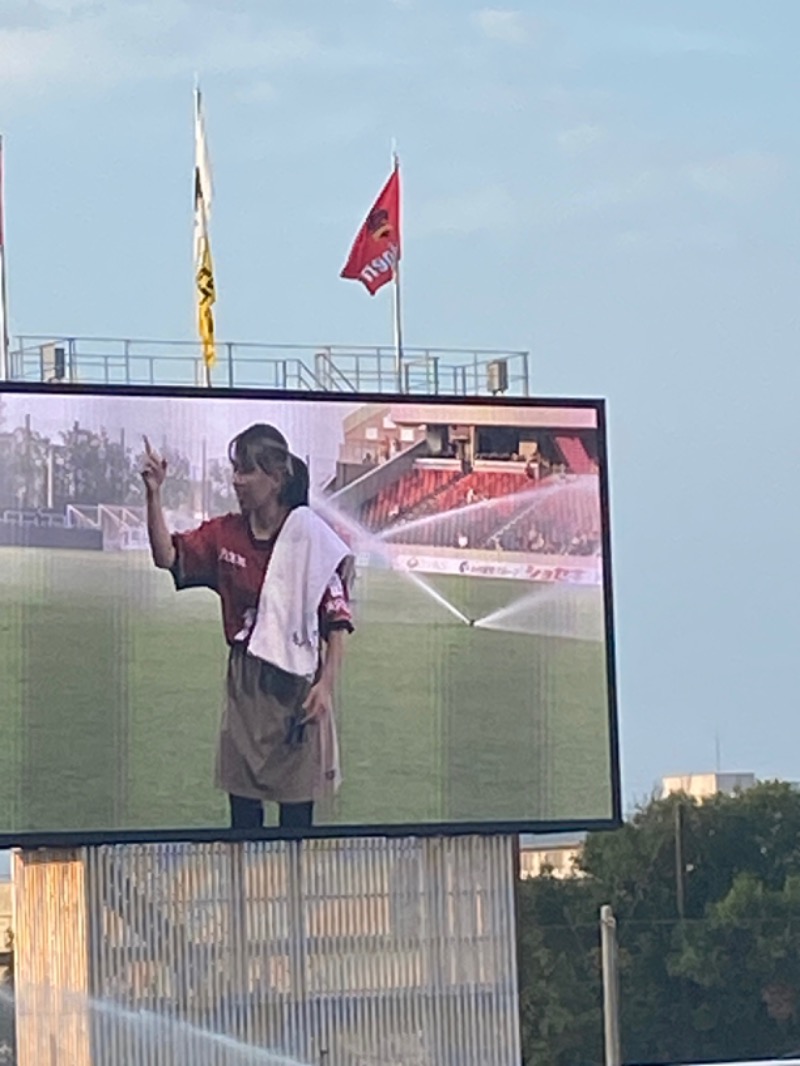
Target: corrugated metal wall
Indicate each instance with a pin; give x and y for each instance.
(357, 952)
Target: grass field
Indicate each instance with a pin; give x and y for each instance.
(110, 695)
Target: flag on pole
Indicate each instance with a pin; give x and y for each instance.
(203, 264)
(375, 253)
(5, 369)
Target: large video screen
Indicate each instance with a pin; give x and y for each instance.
(238, 612)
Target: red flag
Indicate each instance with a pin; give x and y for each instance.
(376, 249)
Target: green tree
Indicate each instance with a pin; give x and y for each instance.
(709, 972)
(559, 973)
(744, 967)
(23, 468)
(221, 497)
(91, 468)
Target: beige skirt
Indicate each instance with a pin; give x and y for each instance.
(266, 751)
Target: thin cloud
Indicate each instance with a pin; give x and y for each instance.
(668, 40)
(102, 44)
(257, 92)
(681, 238)
(507, 27)
(489, 209)
(738, 176)
(592, 34)
(579, 139)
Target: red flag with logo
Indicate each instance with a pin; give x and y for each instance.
(376, 249)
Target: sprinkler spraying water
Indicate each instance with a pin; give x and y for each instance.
(558, 510)
(571, 612)
(361, 540)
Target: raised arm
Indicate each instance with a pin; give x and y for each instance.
(155, 471)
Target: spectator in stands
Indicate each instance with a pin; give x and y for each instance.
(536, 542)
(277, 740)
(533, 468)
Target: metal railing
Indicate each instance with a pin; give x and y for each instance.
(330, 368)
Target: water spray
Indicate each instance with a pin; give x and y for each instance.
(371, 542)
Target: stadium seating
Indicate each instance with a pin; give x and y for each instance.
(400, 499)
(575, 455)
(496, 509)
(481, 484)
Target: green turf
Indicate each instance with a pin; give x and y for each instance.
(112, 685)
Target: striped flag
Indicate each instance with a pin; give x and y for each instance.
(203, 264)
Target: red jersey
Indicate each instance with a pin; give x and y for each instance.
(223, 555)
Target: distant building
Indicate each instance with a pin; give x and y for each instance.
(6, 916)
(558, 855)
(554, 855)
(703, 786)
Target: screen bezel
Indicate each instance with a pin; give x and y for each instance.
(81, 838)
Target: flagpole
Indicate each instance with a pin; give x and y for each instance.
(5, 367)
(398, 330)
(397, 304)
(202, 203)
(205, 370)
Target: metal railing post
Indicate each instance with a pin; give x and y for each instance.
(231, 375)
(435, 371)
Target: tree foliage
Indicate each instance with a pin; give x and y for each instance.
(84, 467)
(721, 980)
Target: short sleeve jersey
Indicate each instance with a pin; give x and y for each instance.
(223, 555)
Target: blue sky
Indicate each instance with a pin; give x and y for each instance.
(610, 184)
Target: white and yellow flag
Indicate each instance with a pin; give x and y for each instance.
(203, 264)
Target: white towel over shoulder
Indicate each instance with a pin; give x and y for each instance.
(305, 558)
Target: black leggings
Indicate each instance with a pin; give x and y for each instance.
(248, 813)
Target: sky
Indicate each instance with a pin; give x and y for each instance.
(608, 184)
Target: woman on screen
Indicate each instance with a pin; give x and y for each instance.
(282, 577)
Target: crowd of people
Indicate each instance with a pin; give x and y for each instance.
(507, 523)
(584, 542)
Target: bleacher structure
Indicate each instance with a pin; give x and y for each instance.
(521, 509)
(339, 952)
(122, 527)
(117, 528)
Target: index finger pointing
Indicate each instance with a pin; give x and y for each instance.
(147, 447)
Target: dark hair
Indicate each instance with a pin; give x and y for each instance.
(261, 446)
(296, 488)
(265, 447)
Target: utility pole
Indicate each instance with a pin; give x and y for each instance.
(609, 960)
(680, 892)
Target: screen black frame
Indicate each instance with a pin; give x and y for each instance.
(98, 837)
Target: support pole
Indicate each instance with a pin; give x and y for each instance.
(608, 951)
